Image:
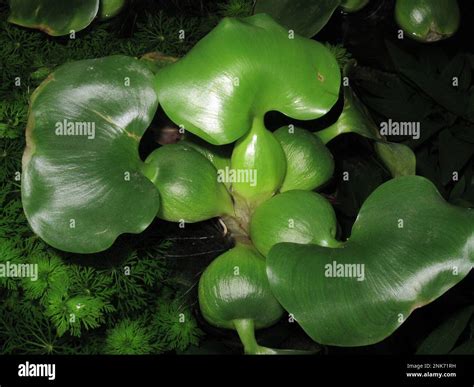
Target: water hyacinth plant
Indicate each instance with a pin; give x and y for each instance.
(191, 177)
(84, 184)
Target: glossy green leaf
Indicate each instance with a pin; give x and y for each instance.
(353, 5)
(305, 17)
(355, 118)
(235, 286)
(241, 70)
(234, 293)
(259, 163)
(55, 17)
(293, 216)
(219, 156)
(110, 8)
(309, 163)
(188, 184)
(428, 20)
(444, 337)
(407, 247)
(81, 180)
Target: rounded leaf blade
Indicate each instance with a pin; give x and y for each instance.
(238, 72)
(408, 246)
(81, 180)
(55, 17)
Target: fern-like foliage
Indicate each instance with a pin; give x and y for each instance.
(87, 281)
(53, 278)
(133, 280)
(236, 8)
(79, 305)
(340, 52)
(13, 115)
(174, 324)
(129, 338)
(13, 224)
(24, 329)
(9, 254)
(173, 35)
(73, 314)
